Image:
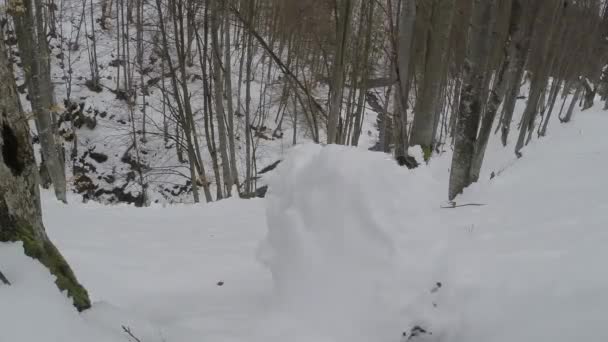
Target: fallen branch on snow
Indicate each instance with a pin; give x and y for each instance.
(127, 330)
(453, 205)
(3, 279)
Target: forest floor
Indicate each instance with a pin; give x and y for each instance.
(347, 247)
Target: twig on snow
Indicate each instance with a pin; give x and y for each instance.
(453, 205)
(127, 330)
(3, 279)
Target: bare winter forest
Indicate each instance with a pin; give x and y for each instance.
(134, 101)
(146, 102)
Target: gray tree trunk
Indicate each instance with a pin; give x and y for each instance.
(423, 127)
(407, 18)
(337, 89)
(34, 49)
(470, 98)
(219, 99)
(575, 98)
(556, 86)
(20, 212)
(496, 94)
(515, 75)
(540, 79)
(230, 105)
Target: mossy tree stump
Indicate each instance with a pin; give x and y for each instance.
(20, 212)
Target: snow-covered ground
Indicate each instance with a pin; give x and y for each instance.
(347, 247)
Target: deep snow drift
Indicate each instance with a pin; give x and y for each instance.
(347, 247)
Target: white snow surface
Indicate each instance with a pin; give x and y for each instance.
(347, 247)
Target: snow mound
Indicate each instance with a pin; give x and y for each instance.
(32, 309)
(330, 246)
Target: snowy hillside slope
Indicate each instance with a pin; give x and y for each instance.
(98, 125)
(350, 247)
(355, 248)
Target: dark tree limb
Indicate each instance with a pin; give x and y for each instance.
(3, 279)
(128, 331)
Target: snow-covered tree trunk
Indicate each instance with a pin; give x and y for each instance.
(471, 97)
(20, 212)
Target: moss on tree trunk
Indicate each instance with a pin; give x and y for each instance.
(20, 212)
(43, 250)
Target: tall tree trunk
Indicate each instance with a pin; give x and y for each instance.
(540, 76)
(248, 78)
(20, 212)
(337, 89)
(229, 100)
(404, 63)
(496, 94)
(34, 48)
(470, 101)
(521, 44)
(356, 132)
(435, 66)
(219, 98)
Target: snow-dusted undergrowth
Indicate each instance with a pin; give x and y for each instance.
(353, 249)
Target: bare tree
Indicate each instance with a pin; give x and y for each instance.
(471, 97)
(28, 17)
(20, 213)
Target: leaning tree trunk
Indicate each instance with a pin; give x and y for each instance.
(590, 93)
(20, 213)
(471, 97)
(575, 98)
(540, 77)
(497, 93)
(521, 45)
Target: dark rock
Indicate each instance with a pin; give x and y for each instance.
(93, 86)
(261, 192)
(84, 184)
(98, 157)
(408, 161)
(117, 62)
(110, 179)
